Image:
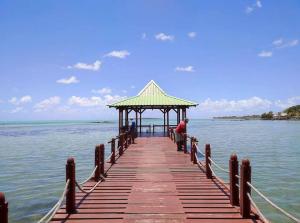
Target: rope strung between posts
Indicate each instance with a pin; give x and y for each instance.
(54, 209)
(272, 204)
(198, 150)
(89, 191)
(92, 174)
(257, 209)
(215, 175)
(218, 166)
(108, 158)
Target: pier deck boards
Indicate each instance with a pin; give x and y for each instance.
(152, 182)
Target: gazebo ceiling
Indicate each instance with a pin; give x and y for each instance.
(152, 96)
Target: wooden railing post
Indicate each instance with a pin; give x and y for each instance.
(3, 209)
(185, 143)
(70, 196)
(97, 163)
(233, 180)
(121, 141)
(192, 149)
(245, 176)
(194, 153)
(174, 139)
(102, 158)
(126, 140)
(207, 161)
(113, 151)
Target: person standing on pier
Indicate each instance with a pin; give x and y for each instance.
(133, 130)
(179, 133)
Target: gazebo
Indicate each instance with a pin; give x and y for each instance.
(151, 97)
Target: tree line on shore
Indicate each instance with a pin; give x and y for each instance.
(289, 113)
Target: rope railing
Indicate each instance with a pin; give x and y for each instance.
(273, 204)
(198, 150)
(47, 217)
(265, 220)
(108, 158)
(217, 165)
(90, 176)
(91, 190)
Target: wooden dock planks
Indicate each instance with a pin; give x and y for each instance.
(152, 182)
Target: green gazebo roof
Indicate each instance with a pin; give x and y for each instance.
(152, 96)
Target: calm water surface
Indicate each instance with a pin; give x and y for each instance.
(33, 157)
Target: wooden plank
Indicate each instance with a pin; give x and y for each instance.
(152, 182)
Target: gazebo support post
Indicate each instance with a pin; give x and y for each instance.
(164, 111)
(126, 118)
(140, 122)
(120, 119)
(168, 121)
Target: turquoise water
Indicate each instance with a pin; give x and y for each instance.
(33, 156)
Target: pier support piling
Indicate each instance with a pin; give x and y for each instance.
(245, 204)
(233, 172)
(3, 209)
(70, 196)
(207, 161)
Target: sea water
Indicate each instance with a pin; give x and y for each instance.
(33, 157)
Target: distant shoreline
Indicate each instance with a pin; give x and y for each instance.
(256, 117)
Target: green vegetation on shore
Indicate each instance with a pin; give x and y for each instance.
(289, 113)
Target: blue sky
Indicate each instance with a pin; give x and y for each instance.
(68, 59)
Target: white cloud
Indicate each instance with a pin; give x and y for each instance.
(185, 69)
(104, 90)
(164, 37)
(258, 4)
(118, 54)
(47, 104)
(23, 100)
(254, 103)
(249, 9)
(124, 91)
(132, 86)
(254, 6)
(84, 66)
(286, 44)
(70, 80)
(277, 42)
(85, 102)
(16, 110)
(144, 36)
(192, 35)
(265, 54)
(94, 101)
(288, 102)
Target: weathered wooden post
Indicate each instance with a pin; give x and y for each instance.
(97, 163)
(233, 180)
(113, 151)
(185, 143)
(70, 196)
(126, 139)
(207, 161)
(192, 144)
(245, 176)
(3, 209)
(102, 158)
(194, 153)
(121, 140)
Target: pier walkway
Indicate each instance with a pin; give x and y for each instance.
(152, 182)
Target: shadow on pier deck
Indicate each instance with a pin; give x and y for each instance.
(152, 182)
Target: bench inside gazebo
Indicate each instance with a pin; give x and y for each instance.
(151, 97)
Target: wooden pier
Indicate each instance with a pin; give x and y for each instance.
(152, 182)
